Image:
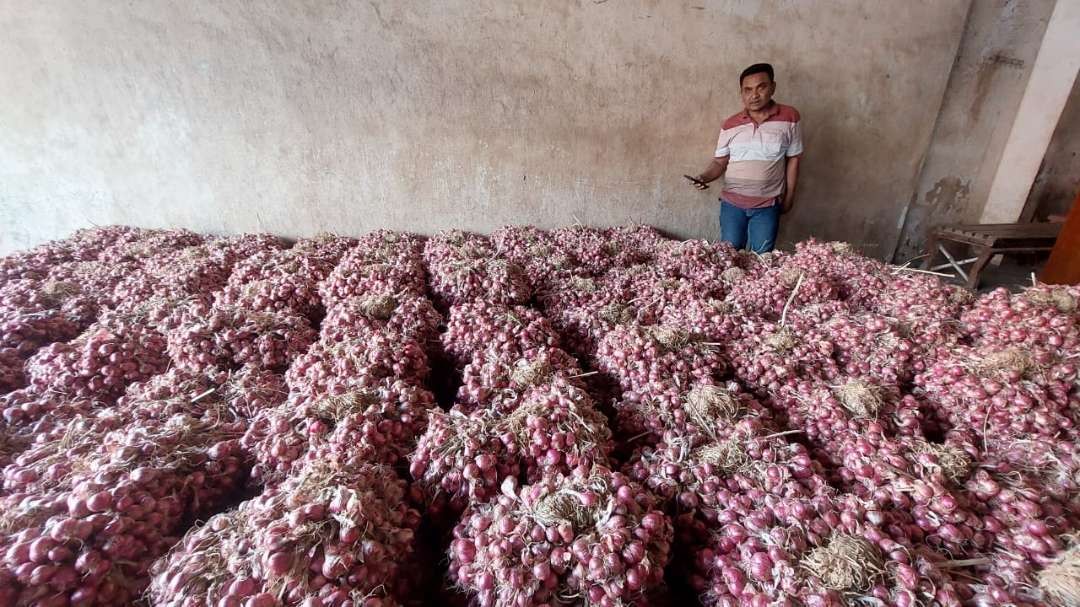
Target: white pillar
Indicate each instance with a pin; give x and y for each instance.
(1044, 99)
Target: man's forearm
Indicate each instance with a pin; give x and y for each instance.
(715, 169)
(791, 179)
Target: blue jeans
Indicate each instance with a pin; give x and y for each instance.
(759, 226)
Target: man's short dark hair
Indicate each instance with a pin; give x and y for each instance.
(757, 68)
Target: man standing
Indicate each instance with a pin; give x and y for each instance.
(758, 153)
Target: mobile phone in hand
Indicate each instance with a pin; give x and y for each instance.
(697, 181)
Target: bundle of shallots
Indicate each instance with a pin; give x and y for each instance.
(336, 367)
(1002, 394)
(26, 332)
(12, 375)
(359, 273)
(496, 380)
(327, 536)
(124, 506)
(101, 362)
(245, 392)
(473, 328)
(641, 357)
(594, 538)
(817, 551)
(457, 281)
(1042, 316)
(377, 425)
(461, 459)
(771, 356)
(230, 337)
(702, 408)
(409, 316)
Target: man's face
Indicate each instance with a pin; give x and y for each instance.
(757, 91)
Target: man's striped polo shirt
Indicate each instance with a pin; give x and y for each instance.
(758, 155)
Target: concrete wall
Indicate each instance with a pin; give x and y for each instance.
(1058, 182)
(309, 115)
(1000, 43)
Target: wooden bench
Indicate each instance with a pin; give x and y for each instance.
(987, 240)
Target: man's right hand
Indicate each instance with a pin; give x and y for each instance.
(698, 181)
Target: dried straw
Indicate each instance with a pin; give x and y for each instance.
(847, 563)
(673, 338)
(860, 397)
(729, 455)
(583, 284)
(955, 464)
(781, 340)
(1061, 580)
(1011, 359)
(1058, 297)
(530, 372)
(617, 313)
(732, 275)
(379, 307)
(706, 405)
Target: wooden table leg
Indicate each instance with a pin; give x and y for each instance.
(931, 251)
(976, 268)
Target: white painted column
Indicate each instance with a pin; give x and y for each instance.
(1044, 99)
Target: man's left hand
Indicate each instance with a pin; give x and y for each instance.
(787, 204)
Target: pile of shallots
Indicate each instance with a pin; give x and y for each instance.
(577, 416)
